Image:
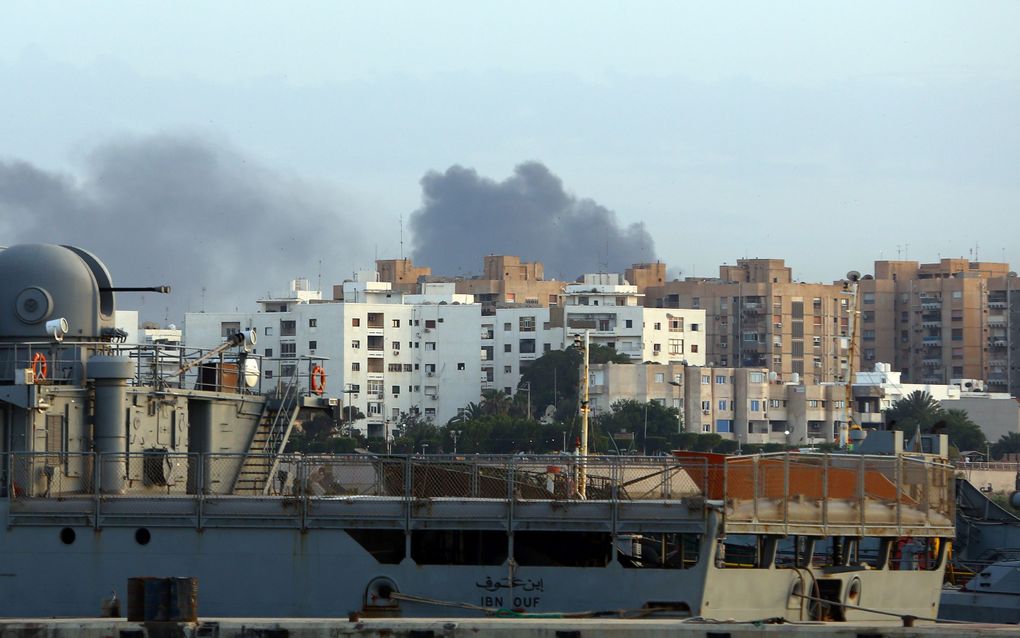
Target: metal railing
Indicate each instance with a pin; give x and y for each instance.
(866, 495)
(774, 494)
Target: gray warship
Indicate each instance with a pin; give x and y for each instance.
(123, 461)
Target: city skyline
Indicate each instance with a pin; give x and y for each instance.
(694, 134)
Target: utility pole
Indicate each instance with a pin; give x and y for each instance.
(582, 470)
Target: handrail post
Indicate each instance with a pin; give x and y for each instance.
(825, 495)
(786, 493)
(97, 488)
(195, 461)
(861, 495)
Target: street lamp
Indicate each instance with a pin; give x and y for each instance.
(454, 434)
(424, 446)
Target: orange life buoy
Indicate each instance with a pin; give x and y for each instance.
(318, 380)
(39, 365)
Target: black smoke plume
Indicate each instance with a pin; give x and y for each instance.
(465, 216)
(221, 230)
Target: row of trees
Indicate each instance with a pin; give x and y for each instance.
(501, 424)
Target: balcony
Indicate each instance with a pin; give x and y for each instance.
(997, 320)
(998, 342)
(931, 341)
(931, 304)
(997, 303)
(931, 363)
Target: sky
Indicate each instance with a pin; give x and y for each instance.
(226, 148)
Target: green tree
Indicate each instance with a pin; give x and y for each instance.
(920, 410)
(916, 409)
(1007, 444)
(554, 377)
(652, 420)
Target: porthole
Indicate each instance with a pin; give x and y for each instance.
(67, 536)
(142, 536)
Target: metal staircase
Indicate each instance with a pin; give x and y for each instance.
(268, 440)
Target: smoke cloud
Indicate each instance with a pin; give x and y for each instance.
(465, 216)
(220, 229)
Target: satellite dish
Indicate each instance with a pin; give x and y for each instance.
(853, 275)
(773, 376)
(251, 373)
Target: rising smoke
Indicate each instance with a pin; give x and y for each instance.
(465, 216)
(221, 230)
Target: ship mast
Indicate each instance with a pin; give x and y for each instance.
(853, 277)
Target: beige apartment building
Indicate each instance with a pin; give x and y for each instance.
(757, 316)
(505, 281)
(941, 322)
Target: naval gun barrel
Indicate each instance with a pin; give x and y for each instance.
(164, 290)
(233, 340)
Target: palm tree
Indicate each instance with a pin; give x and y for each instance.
(1007, 444)
(495, 403)
(916, 409)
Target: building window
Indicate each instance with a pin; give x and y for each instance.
(628, 323)
(656, 348)
(706, 379)
(658, 325)
(957, 334)
(312, 323)
(694, 327)
(396, 345)
(430, 345)
(268, 331)
(757, 377)
(527, 324)
(228, 328)
(460, 366)
(355, 321)
(507, 326)
(288, 349)
(269, 374)
(312, 345)
(396, 389)
(868, 297)
(407, 367)
(288, 327)
(508, 347)
(724, 425)
(430, 324)
(755, 405)
(957, 294)
(508, 369)
(660, 377)
(527, 346)
(269, 352)
(676, 346)
(355, 344)
(720, 379)
(676, 324)
(706, 406)
(394, 367)
(395, 323)
(355, 366)
(694, 347)
(722, 404)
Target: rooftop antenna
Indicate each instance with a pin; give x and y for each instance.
(898, 251)
(977, 251)
(401, 238)
(203, 298)
(319, 284)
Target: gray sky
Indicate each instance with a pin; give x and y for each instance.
(827, 134)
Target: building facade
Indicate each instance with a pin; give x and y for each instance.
(758, 317)
(385, 354)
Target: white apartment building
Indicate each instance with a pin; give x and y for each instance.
(384, 353)
(511, 339)
(611, 308)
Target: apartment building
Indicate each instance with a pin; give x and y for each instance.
(512, 339)
(385, 353)
(610, 307)
(758, 317)
(941, 321)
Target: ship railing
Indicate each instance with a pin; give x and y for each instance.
(156, 473)
(783, 494)
(837, 494)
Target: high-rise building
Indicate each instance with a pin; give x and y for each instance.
(757, 316)
(939, 322)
